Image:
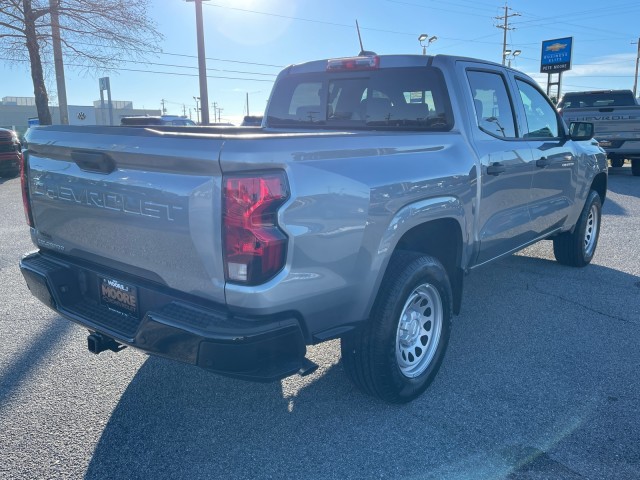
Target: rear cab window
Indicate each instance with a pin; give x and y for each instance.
(597, 100)
(404, 98)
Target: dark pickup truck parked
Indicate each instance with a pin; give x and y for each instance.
(615, 115)
(374, 185)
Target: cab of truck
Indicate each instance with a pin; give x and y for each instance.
(10, 152)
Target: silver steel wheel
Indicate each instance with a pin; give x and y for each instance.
(591, 231)
(419, 330)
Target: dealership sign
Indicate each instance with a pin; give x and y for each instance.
(556, 55)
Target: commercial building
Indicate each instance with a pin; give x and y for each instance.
(15, 113)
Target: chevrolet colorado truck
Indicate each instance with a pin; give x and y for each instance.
(615, 115)
(373, 186)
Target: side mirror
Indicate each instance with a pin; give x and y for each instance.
(580, 131)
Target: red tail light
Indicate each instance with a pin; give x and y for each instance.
(25, 189)
(255, 249)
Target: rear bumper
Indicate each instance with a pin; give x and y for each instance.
(621, 148)
(170, 324)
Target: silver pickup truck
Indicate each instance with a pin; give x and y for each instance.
(374, 185)
(615, 115)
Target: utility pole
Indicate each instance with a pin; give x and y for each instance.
(184, 110)
(197, 99)
(216, 111)
(164, 110)
(202, 63)
(505, 26)
(635, 81)
(248, 99)
(57, 60)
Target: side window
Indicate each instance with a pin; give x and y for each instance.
(306, 102)
(492, 104)
(542, 121)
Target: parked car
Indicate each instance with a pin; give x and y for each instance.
(10, 152)
(374, 186)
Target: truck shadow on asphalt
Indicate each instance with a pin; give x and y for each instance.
(532, 365)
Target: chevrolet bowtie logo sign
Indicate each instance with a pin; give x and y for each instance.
(556, 47)
(556, 55)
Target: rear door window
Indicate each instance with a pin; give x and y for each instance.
(492, 104)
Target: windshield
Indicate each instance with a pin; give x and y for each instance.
(391, 98)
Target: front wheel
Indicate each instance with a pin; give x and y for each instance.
(577, 248)
(396, 355)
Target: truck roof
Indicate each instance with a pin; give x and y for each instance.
(599, 92)
(385, 61)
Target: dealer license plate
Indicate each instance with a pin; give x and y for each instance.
(119, 296)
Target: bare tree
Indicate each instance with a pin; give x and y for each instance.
(96, 35)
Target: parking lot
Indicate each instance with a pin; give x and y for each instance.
(540, 381)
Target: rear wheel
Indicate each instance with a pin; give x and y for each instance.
(398, 353)
(635, 167)
(577, 248)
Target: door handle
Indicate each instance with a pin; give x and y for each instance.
(542, 162)
(97, 162)
(496, 169)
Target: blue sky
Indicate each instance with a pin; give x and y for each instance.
(249, 41)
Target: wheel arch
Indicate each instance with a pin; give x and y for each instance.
(436, 227)
(442, 239)
(599, 184)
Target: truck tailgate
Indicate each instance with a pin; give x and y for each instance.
(138, 201)
(619, 123)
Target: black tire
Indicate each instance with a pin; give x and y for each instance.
(387, 361)
(617, 162)
(577, 248)
(635, 167)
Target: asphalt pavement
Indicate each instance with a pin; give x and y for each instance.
(540, 382)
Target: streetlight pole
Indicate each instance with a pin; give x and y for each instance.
(426, 38)
(202, 62)
(508, 54)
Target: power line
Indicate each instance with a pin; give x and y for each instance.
(191, 67)
(150, 71)
(322, 22)
(612, 10)
(458, 12)
(189, 56)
